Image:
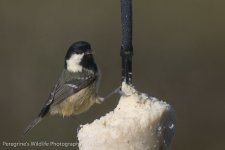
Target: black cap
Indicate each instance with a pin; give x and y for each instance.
(78, 48)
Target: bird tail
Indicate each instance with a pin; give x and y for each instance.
(32, 124)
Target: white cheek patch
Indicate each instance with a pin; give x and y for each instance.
(73, 64)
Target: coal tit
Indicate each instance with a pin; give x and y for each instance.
(77, 87)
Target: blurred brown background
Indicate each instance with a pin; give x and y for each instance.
(179, 57)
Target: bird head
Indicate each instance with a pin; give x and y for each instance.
(79, 56)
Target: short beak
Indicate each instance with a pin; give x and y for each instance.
(89, 51)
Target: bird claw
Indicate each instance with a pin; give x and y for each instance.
(100, 100)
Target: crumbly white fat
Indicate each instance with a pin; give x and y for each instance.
(73, 64)
(139, 122)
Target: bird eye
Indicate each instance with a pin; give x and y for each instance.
(79, 51)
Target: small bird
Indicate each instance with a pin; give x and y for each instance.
(77, 88)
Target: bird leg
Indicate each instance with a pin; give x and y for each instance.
(102, 99)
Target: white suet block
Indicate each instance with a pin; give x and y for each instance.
(139, 122)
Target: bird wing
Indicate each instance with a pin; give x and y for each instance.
(68, 84)
(72, 86)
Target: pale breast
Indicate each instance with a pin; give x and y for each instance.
(75, 104)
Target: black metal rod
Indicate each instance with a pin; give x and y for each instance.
(126, 47)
